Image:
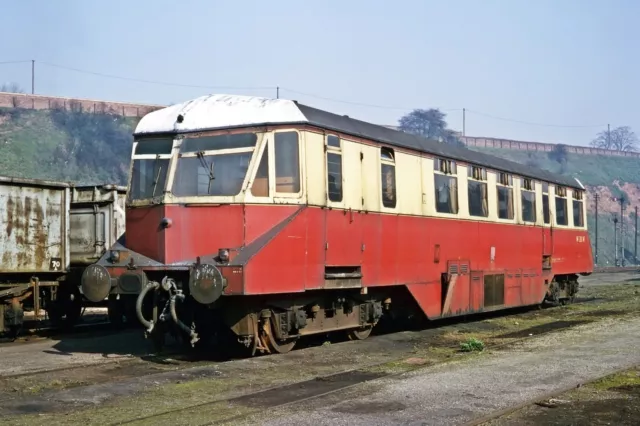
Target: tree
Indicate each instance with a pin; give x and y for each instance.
(11, 88)
(619, 139)
(560, 155)
(429, 123)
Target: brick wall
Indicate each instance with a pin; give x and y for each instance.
(540, 146)
(19, 100)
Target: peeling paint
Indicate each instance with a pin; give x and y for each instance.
(33, 230)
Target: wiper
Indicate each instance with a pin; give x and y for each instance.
(207, 167)
(155, 182)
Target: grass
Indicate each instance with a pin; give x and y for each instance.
(626, 379)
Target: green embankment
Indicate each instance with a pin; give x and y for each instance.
(65, 145)
(95, 148)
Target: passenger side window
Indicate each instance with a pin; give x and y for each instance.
(528, 195)
(505, 196)
(388, 177)
(446, 186)
(477, 183)
(545, 203)
(561, 206)
(334, 169)
(287, 154)
(578, 213)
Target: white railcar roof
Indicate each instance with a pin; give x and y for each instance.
(213, 112)
(220, 111)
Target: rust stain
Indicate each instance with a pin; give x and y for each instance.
(10, 207)
(6, 259)
(21, 223)
(41, 236)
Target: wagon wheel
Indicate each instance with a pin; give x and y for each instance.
(115, 311)
(67, 309)
(274, 344)
(359, 333)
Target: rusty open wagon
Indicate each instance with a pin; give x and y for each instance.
(49, 232)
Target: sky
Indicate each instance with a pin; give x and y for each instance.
(553, 71)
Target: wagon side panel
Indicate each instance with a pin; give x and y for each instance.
(97, 221)
(33, 234)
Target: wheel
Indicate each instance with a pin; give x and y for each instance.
(66, 310)
(13, 317)
(359, 333)
(274, 344)
(115, 311)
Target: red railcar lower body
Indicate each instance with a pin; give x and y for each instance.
(298, 270)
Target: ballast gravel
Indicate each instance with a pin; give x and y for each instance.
(459, 392)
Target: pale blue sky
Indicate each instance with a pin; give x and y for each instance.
(562, 62)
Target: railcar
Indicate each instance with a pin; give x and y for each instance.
(273, 220)
(49, 232)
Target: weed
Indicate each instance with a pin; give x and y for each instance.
(472, 345)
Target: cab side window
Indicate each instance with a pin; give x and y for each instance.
(287, 153)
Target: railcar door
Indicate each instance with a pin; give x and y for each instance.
(547, 228)
(343, 224)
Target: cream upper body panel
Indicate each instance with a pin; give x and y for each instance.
(301, 166)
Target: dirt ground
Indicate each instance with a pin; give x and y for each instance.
(612, 400)
(160, 389)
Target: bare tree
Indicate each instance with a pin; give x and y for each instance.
(11, 88)
(619, 139)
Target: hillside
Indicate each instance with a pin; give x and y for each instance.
(70, 145)
(65, 145)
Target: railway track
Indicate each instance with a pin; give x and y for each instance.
(39, 333)
(615, 269)
(303, 391)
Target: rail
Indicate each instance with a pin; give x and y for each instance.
(614, 269)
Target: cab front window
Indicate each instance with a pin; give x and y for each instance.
(213, 165)
(150, 167)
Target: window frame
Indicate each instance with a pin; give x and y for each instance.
(166, 189)
(546, 193)
(561, 192)
(335, 150)
(261, 151)
(388, 162)
(507, 182)
(477, 174)
(528, 185)
(578, 196)
(272, 165)
(445, 167)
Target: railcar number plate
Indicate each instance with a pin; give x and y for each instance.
(55, 264)
(581, 238)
